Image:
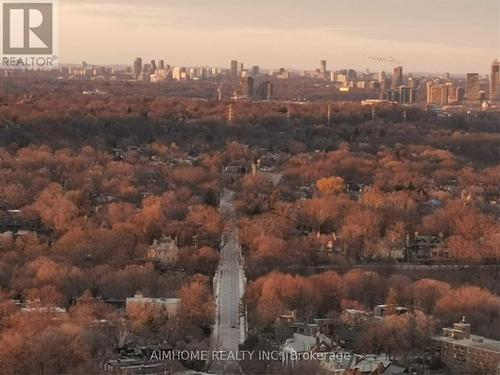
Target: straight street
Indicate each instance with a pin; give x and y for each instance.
(229, 290)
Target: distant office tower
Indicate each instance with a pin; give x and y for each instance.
(322, 68)
(397, 77)
(472, 87)
(413, 82)
(381, 76)
(234, 68)
(437, 93)
(255, 70)
(242, 67)
(153, 65)
(386, 84)
(161, 64)
(137, 68)
(246, 87)
(495, 81)
(265, 90)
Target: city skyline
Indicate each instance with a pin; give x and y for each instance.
(299, 35)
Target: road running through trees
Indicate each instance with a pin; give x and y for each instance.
(229, 286)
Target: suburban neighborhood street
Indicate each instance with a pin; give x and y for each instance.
(229, 289)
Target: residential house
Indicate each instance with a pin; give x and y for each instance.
(426, 246)
(287, 317)
(308, 329)
(164, 251)
(273, 178)
(356, 364)
(300, 344)
(337, 366)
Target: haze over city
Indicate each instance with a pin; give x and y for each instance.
(425, 36)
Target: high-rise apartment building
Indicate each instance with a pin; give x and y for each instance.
(437, 93)
(495, 81)
(161, 64)
(180, 73)
(472, 87)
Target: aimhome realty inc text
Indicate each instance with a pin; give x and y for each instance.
(227, 355)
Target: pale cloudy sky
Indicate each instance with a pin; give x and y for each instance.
(425, 35)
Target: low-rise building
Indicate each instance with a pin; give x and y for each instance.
(139, 304)
(381, 311)
(464, 353)
(54, 312)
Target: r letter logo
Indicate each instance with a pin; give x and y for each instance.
(29, 34)
(28, 28)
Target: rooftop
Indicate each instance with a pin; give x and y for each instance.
(140, 298)
(474, 341)
(304, 343)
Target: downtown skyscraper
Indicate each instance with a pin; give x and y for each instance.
(234, 68)
(397, 77)
(137, 67)
(495, 81)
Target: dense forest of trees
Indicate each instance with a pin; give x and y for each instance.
(404, 190)
(88, 182)
(327, 294)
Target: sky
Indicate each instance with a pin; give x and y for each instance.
(455, 36)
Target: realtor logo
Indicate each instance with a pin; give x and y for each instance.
(28, 28)
(29, 31)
